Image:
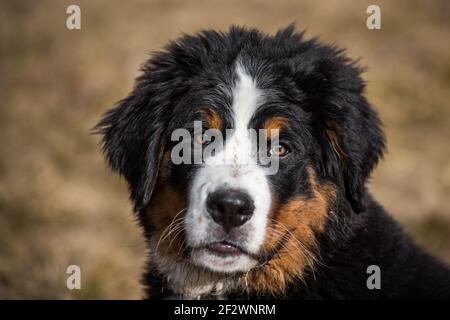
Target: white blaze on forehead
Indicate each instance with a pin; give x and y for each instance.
(238, 147)
(246, 99)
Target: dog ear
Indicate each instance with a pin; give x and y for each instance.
(132, 144)
(349, 131)
(352, 145)
(134, 131)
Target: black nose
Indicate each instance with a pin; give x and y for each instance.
(230, 208)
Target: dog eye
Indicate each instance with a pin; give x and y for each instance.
(280, 150)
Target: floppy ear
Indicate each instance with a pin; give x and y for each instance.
(134, 131)
(350, 136)
(132, 146)
(352, 144)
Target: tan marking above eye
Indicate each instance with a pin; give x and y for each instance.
(212, 118)
(274, 123)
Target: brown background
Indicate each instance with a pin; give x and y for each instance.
(60, 206)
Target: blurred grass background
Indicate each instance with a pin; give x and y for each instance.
(59, 205)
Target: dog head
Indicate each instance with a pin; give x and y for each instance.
(228, 216)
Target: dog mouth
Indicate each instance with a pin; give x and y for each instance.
(226, 256)
(225, 248)
(223, 257)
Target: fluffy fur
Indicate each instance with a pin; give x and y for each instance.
(315, 228)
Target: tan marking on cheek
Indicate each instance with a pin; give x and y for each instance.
(301, 219)
(274, 123)
(166, 213)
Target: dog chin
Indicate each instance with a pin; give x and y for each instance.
(222, 263)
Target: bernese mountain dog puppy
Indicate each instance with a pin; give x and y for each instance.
(225, 227)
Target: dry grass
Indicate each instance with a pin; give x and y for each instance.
(60, 206)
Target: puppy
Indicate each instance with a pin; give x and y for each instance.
(229, 227)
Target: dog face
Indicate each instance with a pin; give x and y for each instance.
(228, 220)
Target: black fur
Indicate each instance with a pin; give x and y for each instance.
(321, 92)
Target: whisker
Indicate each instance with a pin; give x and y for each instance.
(168, 229)
(165, 235)
(179, 232)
